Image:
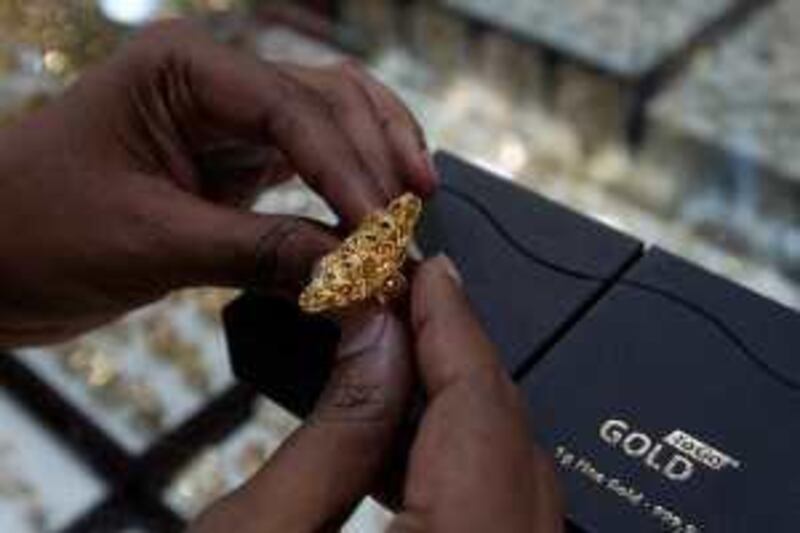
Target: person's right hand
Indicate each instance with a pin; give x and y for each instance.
(473, 465)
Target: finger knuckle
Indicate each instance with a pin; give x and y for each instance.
(353, 399)
(275, 243)
(285, 124)
(306, 95)
(282, 233)
(344, 91)
(342, 100)
(298, 105)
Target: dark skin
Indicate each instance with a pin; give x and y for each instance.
(136, 182)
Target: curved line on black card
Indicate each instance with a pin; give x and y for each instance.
(720, 325)
(516, 244)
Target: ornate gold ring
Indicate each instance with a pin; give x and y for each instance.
(367, 265)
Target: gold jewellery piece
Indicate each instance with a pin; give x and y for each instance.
(367, 264)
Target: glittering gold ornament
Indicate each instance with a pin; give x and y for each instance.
(367, 264)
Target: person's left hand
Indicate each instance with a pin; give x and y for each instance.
(132, 184)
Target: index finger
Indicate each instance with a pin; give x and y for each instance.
(257, 100)
(451, 343)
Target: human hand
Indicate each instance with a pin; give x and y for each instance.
(134, 182)
(472, 467)
(473, 464)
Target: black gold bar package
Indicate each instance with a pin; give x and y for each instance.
(673, 406)
(287, 355)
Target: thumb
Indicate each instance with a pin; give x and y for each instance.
(329, 464)
(212, 244)
(451, 343)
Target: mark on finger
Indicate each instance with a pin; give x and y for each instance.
(354, 395)
(352, 401)
(270, 249)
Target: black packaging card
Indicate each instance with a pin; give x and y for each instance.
(284, 353)
(673, 406)
(530, 266)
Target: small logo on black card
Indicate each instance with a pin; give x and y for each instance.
(700, 451)
(674, 456)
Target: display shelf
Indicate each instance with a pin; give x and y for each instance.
(117, 515)
(626, 37)
(135, 505)
(134, 481)
(732, 125)
(598, 63)
(523, 107)
(146, 374)
(221, 468)
(43, 485)
(742, 95)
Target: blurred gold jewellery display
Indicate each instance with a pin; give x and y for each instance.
(367, 264)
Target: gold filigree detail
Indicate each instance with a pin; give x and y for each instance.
(367, 264)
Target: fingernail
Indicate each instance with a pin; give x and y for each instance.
(363, 333)
(430, 169)
(450, 268)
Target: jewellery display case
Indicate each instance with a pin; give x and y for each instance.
(626, 37)
(731, 126)
(29, 456)
(117, 374)
(146, 416)
(597, 64)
